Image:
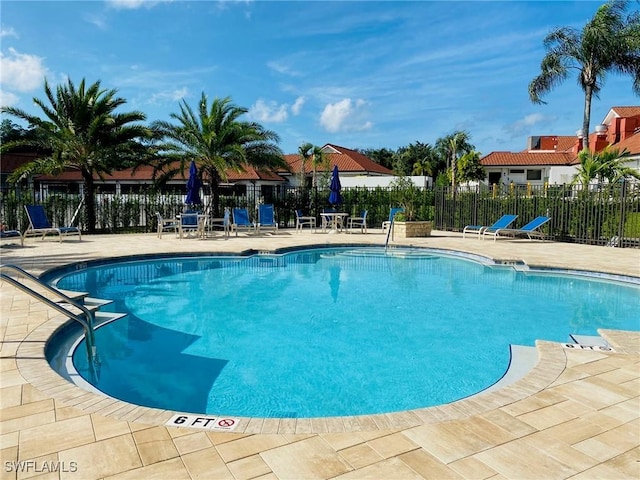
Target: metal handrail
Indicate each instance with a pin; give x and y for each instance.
(87, 322)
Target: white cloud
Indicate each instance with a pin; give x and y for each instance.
(8, 32)
(7, 99)
(133, 4)
(262, 111)
(21, 71)
(169, 95)
(525, 125)
(297, 105)
(283, 69)
(345, 115)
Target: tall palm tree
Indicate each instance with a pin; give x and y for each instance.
(80, 130)
(310, 151)
(452, 147)
(609, 42)
(219, 141)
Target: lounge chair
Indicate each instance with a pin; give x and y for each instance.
(392, 213)
(9, 234)
(302, 220)
(358, 222)
(503, 222)
(266, 218)
(166, 224)
(531, 229)
(241, 221)
(39, 224)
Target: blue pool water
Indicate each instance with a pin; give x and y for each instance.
(328, 332)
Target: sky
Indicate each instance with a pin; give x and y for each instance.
(359, 74)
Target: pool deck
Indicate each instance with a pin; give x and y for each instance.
(575, 415)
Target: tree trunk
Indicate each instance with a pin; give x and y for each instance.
(89, 201)
(588, 93)
(215, 193)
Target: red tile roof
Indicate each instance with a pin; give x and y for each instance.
(347, 160)
(631, 144)
(626, 112)
(524, 158)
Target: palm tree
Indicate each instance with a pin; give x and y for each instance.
(608, 164)
(453, 146)
(609, 42)
(309, 151)
(80, 131)
(423, 167)
(219, 141)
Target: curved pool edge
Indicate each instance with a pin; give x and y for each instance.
(34, 367)
(552, 362)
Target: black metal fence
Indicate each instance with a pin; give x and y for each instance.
(599, 215)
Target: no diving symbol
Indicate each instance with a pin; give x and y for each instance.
(226, 423)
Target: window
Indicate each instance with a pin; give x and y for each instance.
(516, 171)
(534, 174)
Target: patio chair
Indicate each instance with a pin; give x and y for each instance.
(39, 224)
(166, 224)
(190, 221)
(358, 222)
(266, 218)
(241, 221)
(503, 222)
(223, 223)
(302, 220)
(392, 213)
(10, 234)
(531, 229)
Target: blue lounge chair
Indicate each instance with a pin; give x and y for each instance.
(241, 221)
(531, 229)
(503, 222)
(302, 220)
(358, 222)
(266, 218)
(9, 234)
(392, 213)
(39, 224)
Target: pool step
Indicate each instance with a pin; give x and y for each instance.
(590, 340)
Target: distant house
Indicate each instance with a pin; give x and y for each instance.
(350, 164)
(553, 159)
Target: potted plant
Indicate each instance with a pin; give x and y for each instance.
(413, 222)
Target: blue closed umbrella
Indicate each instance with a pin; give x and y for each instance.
(193, 186)
(334, 197)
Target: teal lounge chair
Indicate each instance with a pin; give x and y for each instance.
(266, 218)
(503, 222)
(392, 213)
(531, 229)
(241, 221)
(39, 224)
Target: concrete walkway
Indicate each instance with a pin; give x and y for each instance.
(575, 415)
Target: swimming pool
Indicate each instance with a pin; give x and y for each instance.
(329, 332)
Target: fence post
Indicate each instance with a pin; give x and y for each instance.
(623, 204)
